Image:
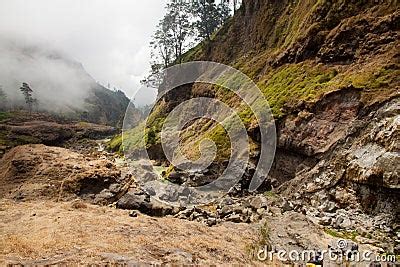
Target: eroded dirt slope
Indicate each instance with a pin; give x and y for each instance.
(33, 172)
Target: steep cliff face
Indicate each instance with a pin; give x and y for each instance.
(299, 53)
(330, 71)
(293, 31)
(105, 106)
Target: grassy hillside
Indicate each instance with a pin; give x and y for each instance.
(295, 51)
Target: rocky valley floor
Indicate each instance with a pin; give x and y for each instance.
(69, 201)
(59, 206)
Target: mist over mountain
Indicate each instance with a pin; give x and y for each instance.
(60, 84)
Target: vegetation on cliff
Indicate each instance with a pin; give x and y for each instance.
(296, 52)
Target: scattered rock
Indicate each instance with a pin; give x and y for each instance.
(176, 177)
(139, 200)
(236, 218)
(325, 221)
(287, 206)
(133, 214)
(211, 221)
(133, 201)
(343, 222)
(258, 202)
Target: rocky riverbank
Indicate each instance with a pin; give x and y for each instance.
(47, 180)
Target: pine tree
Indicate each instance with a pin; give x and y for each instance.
(27, 92)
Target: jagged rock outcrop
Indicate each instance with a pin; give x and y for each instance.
(53, 133)
(355, 186)
(307, 53)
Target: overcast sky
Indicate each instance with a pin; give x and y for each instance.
(109, 37)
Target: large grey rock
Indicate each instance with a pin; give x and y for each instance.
(133, 201)
(138, 200)
(258, 202)
(342, 221)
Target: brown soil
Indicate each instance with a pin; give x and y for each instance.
(46, 232)
(33, 172)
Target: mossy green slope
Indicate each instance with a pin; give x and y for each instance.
(295, 51)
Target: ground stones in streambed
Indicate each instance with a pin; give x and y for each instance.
(198, 178)
(246, 210)
(139, 200)
(258, 208)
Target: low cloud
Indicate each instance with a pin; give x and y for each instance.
(59, 83)
(110, 38)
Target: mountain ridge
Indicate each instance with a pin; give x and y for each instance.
(60, 83)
